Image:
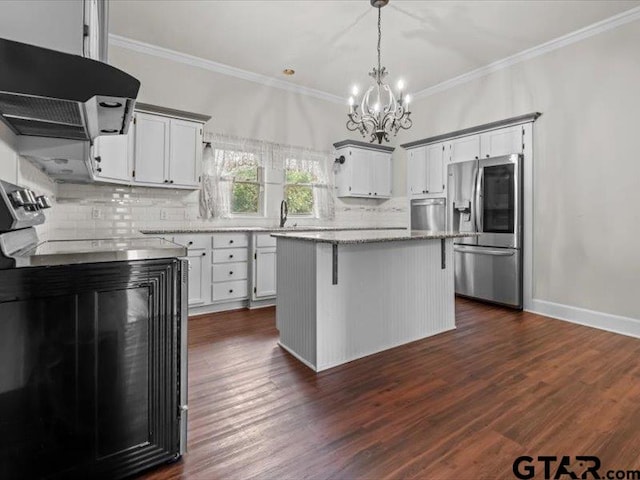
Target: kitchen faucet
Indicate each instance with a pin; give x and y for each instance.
(284, 211)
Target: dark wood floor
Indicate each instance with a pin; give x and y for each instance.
(461, 405)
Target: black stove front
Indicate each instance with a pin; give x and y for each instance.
(92, 358)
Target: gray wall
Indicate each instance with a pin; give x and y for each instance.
(586, 162)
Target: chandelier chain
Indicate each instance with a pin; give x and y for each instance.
(379, 113)
(379, 36)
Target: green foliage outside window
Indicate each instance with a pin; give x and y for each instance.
(299, 192)
(245, 194)
(245, 198)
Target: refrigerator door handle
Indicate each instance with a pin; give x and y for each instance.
(478, 216)
(484, 251)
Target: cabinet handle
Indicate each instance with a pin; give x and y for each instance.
(190, 243)
(230, 241)
(230, 256)
(170, 181)
(166, 181)
(231, 290)
(98, 169)
(98, 159)
(476, 157)
(231, 273)
(487, 155)
(204, 253)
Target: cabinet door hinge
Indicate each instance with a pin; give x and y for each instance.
(199, 178)
(255, 256)
(134, 120)
(85, 30)
(255, 289)
(133, 174)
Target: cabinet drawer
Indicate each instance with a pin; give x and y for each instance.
(265, 240)
(228, 255)
(229, 290)
(193, 241)
(230, 240)
(223, 272)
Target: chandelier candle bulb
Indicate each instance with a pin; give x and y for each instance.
(379, 112)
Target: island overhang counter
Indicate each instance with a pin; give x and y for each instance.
(348, 294)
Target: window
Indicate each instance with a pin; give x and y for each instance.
(245, 174)
(300, 179)
(233, 182)
(239, 173)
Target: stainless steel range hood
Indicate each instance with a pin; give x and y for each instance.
(46, 93)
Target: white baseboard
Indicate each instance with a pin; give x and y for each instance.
(590, 318)
(299, 357)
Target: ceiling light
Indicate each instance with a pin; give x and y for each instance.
(288, 71)
(379, 112)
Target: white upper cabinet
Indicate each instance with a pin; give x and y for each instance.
(465, 148)
(358, 172)
(111, 156)
(417, 171)
(501, 142)
(435, 168)
(366, 171)
(168, 151)
(381, 184)
(151, 148)
(186, 152)
(426, 169)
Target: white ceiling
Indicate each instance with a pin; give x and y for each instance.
(332, 44)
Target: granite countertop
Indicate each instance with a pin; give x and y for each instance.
(63, 252)
(370, 236)
(261, 229)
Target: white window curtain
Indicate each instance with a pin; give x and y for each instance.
(221, 155)
(226, 152)
(320, 167)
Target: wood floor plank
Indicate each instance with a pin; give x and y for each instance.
(462, 404)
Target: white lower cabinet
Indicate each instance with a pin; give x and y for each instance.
(265, 273)
(264, 266)
(229, 267)
(199, 278)
(220, 274)
(228, 291)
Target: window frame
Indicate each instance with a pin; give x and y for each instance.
(314, 208)
(261, 196)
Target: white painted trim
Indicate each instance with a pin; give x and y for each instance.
(294, 354)
(167, 54)
(590, 318)
(573, 37)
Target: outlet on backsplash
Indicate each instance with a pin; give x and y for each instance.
(163, 214)
(96, 213)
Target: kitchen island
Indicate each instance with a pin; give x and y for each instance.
(348, 294)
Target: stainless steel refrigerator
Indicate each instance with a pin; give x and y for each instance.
(486, 197)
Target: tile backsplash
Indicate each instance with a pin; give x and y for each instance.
(99, 211)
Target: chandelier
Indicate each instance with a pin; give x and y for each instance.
(379, 113)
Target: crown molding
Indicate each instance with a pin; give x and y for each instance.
(573, 37)
(167, 54)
